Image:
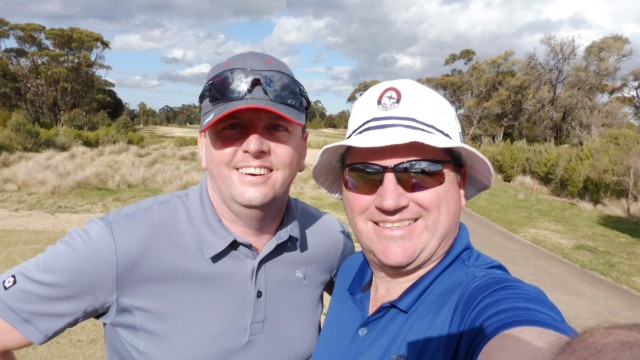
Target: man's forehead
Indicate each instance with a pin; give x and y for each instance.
(407, 150)
(252, 114)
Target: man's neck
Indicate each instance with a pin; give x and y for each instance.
(256, 225)
(388, 286)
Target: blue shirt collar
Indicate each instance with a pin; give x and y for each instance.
(361, 283)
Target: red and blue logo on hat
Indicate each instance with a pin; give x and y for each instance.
(389, 99)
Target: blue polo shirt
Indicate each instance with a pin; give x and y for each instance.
(449, 313)
(169, 281)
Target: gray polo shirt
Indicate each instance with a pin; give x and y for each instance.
(169, 281)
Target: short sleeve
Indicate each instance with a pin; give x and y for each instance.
(69, 282)
(493, 304)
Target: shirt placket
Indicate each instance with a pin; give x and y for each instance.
(259, 309)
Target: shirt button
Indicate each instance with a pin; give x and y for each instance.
(362, 331)
(259, 294)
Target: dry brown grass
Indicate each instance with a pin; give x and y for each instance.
(163, 167)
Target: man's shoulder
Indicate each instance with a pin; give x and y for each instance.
(353, 263)
(500, 289)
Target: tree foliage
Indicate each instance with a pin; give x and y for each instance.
(558, 94)
(360, 89)
(316, 111)
(53, 71)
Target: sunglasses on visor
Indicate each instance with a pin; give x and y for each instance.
(236, 84)
(412, 176)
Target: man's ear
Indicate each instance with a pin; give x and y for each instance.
(305, 138)
(202, 145)
(462, 182)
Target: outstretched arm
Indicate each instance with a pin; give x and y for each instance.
(527, 343)
(11, 339)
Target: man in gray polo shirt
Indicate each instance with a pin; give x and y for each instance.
(231, 268)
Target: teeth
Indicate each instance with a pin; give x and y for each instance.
(254, 171)
(396, 224)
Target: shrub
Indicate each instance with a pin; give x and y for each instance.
(510, 159)
(182, 141)
(544, 162)
(125, 125)
(107, 135)
(66, 139)
(100, 120)
(4, 142)
(22, 134)
(48, 137)
(135, 138)
(5, 116)
(87, 138)
(76, 119)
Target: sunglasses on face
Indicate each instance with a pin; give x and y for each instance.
(236, 84)
(412, 176)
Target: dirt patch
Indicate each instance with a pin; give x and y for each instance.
(41, 221)
(171, 131)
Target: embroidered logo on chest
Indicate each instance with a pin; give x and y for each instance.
(302, 274)
(9, 282)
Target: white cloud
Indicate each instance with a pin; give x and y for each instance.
(132, 42)
(196, 75)
(292, 30)
(137, 82)
(331, 45)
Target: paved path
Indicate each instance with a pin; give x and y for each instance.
(585, 298)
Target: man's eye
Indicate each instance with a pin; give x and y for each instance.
(277, 127)
(233, 126)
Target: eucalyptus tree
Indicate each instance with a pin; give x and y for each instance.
(317, 112)
(572, 91)
(361, 89)
(593, 82)
(489, 95)
(548, 73)
(56, 70)
(630, 93)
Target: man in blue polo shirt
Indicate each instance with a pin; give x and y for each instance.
(231, 268)
(419, 290)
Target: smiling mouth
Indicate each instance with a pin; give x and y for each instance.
(254, 171)
(396, 224)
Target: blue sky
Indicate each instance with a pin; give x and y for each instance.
(161, 50)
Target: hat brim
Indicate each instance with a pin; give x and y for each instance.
(219, 112)
(327, 170)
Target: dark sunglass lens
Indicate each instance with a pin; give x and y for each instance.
(230, 85)
(423, 175)
(235, 84)
(283, 89)
(363, 178)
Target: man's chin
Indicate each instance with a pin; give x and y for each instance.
(261, 201)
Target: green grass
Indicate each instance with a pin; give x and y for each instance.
(321, 137)
(606, 244)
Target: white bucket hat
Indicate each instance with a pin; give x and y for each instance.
(399, 112)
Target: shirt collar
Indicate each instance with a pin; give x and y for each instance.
(214, 236)
(360, 285)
